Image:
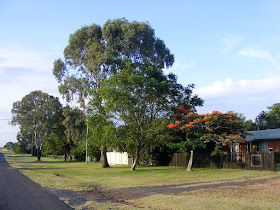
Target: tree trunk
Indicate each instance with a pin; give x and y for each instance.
(136, 158)
(65, 157)
(104, 159)
(38, 154)
(190, 162)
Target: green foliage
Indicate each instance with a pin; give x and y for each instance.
(140, 98)
(20, 148)
(120, 65)
(96, 52)
(274, 111)
(101, 132)
(57, 143)
(74, 123)
(269, 119)
(223, 129)
(159, 155)
(37, 114)
(79, 150)
(251, 126)
(50, 147)
(9, 145)
(154, 136)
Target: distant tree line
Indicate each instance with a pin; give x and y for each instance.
(269, 119)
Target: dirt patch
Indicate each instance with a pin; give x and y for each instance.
(97, 195)
(228, 187)
(113, 195)
(176, 189)
(268, 187)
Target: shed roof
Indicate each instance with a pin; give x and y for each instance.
(264, 134)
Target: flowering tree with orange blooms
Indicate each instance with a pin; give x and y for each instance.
(198, 130)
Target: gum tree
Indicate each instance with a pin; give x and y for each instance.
(95, 53)
(37, 114)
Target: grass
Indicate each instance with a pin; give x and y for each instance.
(79, 176)
(257, 196)
(278, 167)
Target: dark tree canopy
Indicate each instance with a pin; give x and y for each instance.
(75, 124)
(268, 119)
(70, 132)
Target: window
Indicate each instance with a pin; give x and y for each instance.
(256, 161)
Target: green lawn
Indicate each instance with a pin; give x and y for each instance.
(80, 176)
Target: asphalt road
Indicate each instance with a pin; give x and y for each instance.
(19, 192)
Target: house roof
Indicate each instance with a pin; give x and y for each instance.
(264, 134)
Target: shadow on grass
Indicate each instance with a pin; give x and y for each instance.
(146, 169)
(16, 156)
(54, 162)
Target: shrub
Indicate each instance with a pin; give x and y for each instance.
(277, 157)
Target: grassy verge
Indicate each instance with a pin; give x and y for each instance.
(80, 176)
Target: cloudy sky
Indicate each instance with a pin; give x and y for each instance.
(229, 49)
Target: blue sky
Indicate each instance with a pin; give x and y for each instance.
(229, 49)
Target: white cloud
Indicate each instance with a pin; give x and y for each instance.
(244, 96)
(26, 60)
(230, 42)
(15, 56)
(182, 65)
(255, 53)
(8, 133)
(243, 87)
(22, 71)
(262, 54)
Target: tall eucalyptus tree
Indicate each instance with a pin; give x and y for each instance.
(37, 114)
(95, 53)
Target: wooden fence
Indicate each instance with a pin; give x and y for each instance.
(251, 161)
(240, 160)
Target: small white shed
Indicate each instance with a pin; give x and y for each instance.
(118, 158)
